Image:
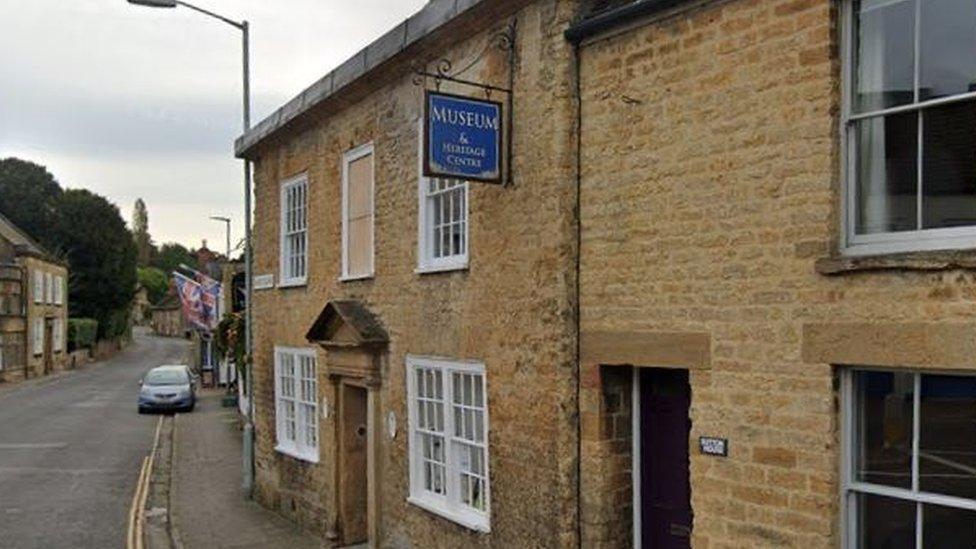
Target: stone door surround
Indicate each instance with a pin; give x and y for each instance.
(355, 345)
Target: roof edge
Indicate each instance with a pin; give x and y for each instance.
(31, 247)
(616, 17)
(431, 18)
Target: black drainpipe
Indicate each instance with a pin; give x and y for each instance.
(616, 17)
(579, 253)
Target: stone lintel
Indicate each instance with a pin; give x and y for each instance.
(913, 344)
(690, 350)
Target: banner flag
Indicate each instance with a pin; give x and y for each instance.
(191, 298)
(210, 295)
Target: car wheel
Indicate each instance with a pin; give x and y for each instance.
(142, 410)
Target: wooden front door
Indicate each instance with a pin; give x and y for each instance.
(353, 446)
(48, 346)
(665, 426)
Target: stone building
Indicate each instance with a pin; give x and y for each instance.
(778, 216)
(366, 325)
(726, 301)
(33, 307)
(166, 317)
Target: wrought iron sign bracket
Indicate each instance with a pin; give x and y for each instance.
(503, 40)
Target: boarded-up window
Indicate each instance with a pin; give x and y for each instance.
(357, 213)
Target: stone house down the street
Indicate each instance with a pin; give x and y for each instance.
(33, 307)
(727, 301)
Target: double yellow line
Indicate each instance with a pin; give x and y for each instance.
(137, 511)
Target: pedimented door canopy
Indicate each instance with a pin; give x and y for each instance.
(354, 340)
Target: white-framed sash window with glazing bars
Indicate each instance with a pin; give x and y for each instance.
(908, 467)
(296, 403)
(448, 440)
(909, 113)
(294, 231)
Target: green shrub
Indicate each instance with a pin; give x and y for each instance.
(81, 333)
(117, 325)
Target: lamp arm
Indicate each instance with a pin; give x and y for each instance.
(238, 25)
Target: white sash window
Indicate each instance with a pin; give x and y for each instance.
(294, 231)
(442, 238)
(908, 118)
(296, 403)
(448, 406)
(909, 459)
(37, 339)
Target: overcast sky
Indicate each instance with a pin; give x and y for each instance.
(135, 102)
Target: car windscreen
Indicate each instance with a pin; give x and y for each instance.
(166, 377)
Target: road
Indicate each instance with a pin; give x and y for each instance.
(71, 448)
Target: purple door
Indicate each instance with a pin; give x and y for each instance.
(666, 516)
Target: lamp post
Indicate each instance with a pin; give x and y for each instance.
(242, 26)
(226, 222)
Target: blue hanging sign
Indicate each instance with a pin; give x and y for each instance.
(462, 138)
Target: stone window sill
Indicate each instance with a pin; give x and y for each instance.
(913, 261)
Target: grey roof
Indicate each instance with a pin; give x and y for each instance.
(430, 18)
(21, 241)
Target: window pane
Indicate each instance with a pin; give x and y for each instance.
(948, 40)
(885, 54)
(885, 523)
(887, 173)
(883, 453)
(949, 161)
(947, 528)
(947, 442)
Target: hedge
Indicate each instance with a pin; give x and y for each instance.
(81, 333)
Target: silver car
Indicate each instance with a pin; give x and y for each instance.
(168, 389)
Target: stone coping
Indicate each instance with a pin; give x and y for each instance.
(432, 17)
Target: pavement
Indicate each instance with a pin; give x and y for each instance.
(208, 505)
(71, 447)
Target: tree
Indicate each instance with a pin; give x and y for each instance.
(140, 233)
(155, 281)
(29, 197)
(170, 256)
(102, 256)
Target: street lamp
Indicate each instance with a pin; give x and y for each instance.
(226, 221)
(248, 260)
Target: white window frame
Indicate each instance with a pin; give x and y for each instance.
(895, 242)
(289, 279)
(58, 290)
(299, 447)
(38, 286)
(57, 336)
(850, 487)
(49, 288)
(348, 158)
(448, 505)
(426, 262)
(37, 339)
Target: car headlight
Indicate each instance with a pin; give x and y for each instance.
(145, 392)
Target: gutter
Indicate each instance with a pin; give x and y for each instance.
(616, 17)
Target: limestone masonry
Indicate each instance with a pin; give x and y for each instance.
(682, 253)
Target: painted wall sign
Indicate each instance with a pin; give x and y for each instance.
(711, 446)
(263, 282)
(462, 138)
